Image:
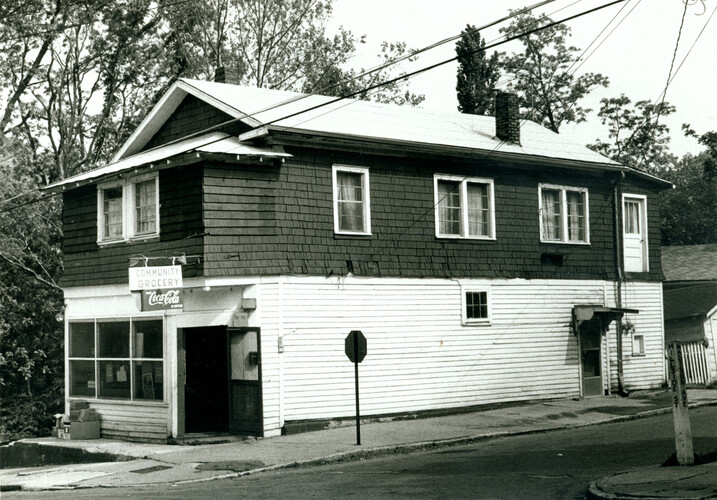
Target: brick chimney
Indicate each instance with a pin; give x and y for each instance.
(226, 75)
(507, 118)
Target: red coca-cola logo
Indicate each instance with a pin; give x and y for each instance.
(168, 298)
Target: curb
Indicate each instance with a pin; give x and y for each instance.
(381, 451)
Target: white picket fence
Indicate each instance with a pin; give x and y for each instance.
(694, 362)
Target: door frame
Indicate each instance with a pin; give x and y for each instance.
(641, 199)
(600, 327)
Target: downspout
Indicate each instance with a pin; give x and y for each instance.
(619, 266)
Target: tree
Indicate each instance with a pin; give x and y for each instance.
(542, 73)
(689, 210)
(637, 137)
(278, 44)
(477, 74)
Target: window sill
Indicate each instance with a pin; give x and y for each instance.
(136, 239)
(577, 243)
(126, 402)
(484, 322)
(348, 236)
(458, 237)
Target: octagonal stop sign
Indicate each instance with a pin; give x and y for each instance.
(355, 346)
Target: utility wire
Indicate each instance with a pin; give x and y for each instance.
(372, 87)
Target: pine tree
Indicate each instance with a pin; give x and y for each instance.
(477, 75)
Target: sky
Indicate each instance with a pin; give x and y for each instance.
(636, 56)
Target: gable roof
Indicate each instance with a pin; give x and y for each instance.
(690, 262)
(355, 118)
(268, 111)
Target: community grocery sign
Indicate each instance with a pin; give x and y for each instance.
(155, 278)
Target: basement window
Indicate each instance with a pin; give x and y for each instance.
(128, 209)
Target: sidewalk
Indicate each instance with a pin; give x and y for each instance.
(155, 464)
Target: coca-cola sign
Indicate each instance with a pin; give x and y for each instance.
(153, 300)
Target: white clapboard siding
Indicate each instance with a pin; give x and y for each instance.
(640, 372)
(420, 357)
(133, 421)
(270, 370)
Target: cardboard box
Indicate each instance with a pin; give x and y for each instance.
(79, 405)
(84, 430)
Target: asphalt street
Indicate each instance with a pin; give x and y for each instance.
(557, 464)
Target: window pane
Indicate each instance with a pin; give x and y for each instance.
(148, 380)
(478, 210)
(147, 339)
(114, 379)
(114, 339)
(82, 378)
(350, 201)
(112, 212)
(145, 207)
(552, 217)
(632, 217)
(576, 216)
(82, 340)
(476, 305)
(449, 207)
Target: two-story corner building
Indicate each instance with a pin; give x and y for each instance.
(485, 260)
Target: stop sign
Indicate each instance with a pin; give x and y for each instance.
(355, 346)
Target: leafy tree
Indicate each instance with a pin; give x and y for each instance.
(637, 137)
(689, 211)
(477, 74)
(542, 74)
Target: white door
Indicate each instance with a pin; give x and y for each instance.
(634, 225)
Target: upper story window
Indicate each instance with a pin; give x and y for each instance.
(465, 207)
(352, 211)
(563, 214)
(128, 209)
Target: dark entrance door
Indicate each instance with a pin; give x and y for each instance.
(590, 334)
(206, 407)
(245, 402)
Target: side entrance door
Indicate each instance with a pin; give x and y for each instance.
(635, 233)
(590, 358)
(245, 398)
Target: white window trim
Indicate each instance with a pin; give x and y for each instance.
(643, 200)
(465, 321)
(128, 209)
(464, 205)
(366, 198)
(638, 353)
(564, 211)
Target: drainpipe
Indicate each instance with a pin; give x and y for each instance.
(619, 264)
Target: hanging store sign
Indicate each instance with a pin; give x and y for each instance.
(157, 300)
(155, 277)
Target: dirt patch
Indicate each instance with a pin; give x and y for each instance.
(232, 465)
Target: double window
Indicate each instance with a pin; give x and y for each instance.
(117, 359)
(563, 214)
(464, 207)
(128, 209)
(352, 211)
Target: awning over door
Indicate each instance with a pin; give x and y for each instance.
(588, 312)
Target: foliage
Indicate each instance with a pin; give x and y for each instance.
(477, 75)
(637, 137)
(542, 73)
(689, 210)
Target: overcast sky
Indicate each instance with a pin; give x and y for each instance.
(636, 56)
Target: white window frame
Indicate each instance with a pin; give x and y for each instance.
(565, 237)
(465, 320)
(638, 352)
(464, 181)
(364, 172)
(128, 209)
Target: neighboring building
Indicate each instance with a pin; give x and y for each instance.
(690, 295)
(481, 266)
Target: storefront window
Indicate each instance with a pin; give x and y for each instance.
(127, 366)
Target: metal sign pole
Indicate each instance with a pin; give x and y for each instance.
(356, 376)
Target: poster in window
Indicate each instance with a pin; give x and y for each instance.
(148, 385)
